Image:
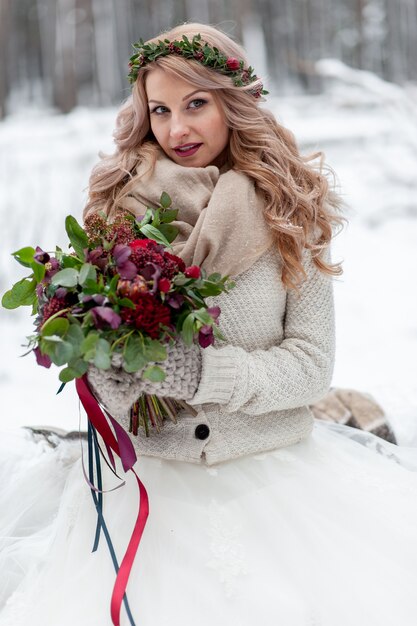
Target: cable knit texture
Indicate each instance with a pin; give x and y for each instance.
(255, 387)
(117, 390)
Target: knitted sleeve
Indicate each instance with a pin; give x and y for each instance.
(296, 373)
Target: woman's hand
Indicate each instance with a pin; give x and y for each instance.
(117, 390)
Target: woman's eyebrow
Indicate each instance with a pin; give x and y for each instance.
(184, 98)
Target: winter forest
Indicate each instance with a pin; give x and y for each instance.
(66, 53)
(341, 75)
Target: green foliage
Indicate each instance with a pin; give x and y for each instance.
(74, 335)
(24, 256)
(21, 294)
(66, 278)
(154, 373)
(77, 236)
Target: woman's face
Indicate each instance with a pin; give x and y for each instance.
(183, 116)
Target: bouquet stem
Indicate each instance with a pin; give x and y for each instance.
(152, 410)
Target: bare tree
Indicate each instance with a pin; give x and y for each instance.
(5, 32)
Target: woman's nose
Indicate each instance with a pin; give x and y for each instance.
(179, 127)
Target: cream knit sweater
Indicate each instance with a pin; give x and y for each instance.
(256, 386)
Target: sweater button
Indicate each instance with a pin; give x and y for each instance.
(202, 431)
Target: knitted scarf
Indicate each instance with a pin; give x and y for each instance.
(220, 220)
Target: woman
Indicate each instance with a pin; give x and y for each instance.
(257, 513)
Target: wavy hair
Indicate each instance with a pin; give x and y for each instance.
(301, 207)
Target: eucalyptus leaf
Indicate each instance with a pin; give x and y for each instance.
(67, 374)
(88, 345)
(58, 326)
(75, 336)
(87, 272)
(78, 366)
(154, 373)
(102, 356)
(154, 351)
(133, 354)
(65, 278)
(63, 353)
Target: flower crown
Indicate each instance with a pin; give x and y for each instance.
(209, 56)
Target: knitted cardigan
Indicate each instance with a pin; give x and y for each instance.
(255, 387)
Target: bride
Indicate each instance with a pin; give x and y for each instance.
(258, 512)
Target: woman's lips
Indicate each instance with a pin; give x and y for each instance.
(191, 151)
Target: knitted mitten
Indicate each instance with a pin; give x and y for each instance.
(356, 409)
(117, 390)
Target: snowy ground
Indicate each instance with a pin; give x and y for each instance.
(367, 129)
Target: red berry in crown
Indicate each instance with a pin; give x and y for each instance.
(233, 64)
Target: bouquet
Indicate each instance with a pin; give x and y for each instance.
(119, 290)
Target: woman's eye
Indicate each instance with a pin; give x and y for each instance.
(198, 102)
(155, 110)
(194, 104)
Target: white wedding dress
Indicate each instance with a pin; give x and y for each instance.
(321, 533)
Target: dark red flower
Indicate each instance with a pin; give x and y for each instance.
(42, 359)
(125, 268)
(148, 316)
(233, 64)
(206, 336)
(41, 256)
(193, 271)
(98, 257)
(120, 231)
(104, 316)
(214, 311)
(164, 285)
(176, 260)
(53, 306)
(175, 300)
(153, 253)
(142, 243)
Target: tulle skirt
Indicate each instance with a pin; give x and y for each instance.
(321, 533)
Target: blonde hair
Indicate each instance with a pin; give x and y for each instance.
(300, 206)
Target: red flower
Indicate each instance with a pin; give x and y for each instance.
(142, 255)
(206, 336)
(176, 260)
(149, 315)
(193, 271)
(142, 243)
(233, 64)
(164, 285)
(53, 306)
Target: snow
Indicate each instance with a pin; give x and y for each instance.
(368, 131)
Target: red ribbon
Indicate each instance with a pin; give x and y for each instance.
(98, 420)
